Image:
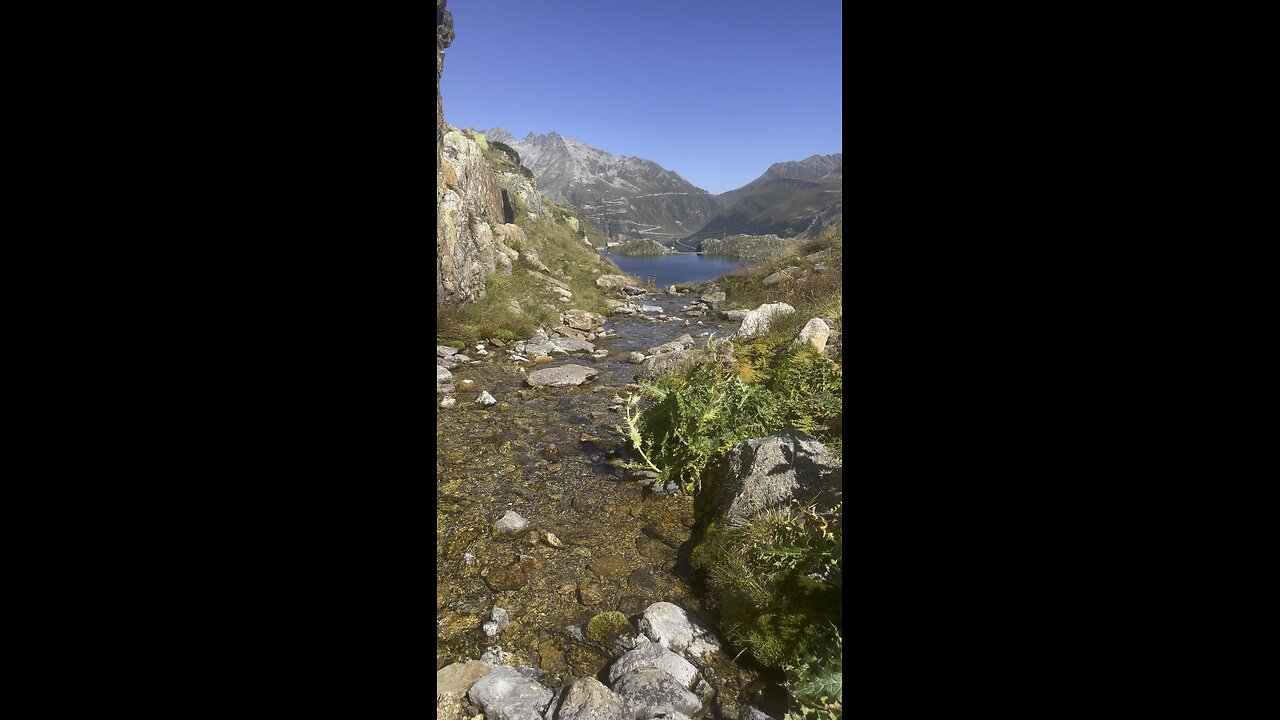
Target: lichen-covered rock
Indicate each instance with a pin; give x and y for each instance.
(612, 632)
(561, 375)
(757, 321)
(507, 694)
(672, 627)
(774, 470)
(715, 296)
(650, 692)
(588, 699)
(654, 655)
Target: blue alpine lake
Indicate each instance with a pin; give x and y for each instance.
(677, 268)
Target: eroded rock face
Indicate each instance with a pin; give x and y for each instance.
(774, 470)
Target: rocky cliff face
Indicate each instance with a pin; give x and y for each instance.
(619, 194)
(481, 194)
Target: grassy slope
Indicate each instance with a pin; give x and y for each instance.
(812, 294)
(781, 206)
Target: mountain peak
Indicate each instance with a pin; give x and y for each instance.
(498, 134)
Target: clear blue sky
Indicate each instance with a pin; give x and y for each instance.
(716, 90)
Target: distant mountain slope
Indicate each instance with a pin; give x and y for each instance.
(620, 194)
(789, 199)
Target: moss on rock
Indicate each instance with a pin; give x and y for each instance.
(607, 626)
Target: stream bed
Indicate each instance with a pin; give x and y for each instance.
(532, 453)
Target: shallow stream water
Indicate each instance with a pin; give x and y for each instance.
(624, 549)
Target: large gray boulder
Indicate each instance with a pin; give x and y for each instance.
(653, 655)
(507, 694)
(774, 470)
(561, 375)
(670, 626)
(588, 699)
(443, 376)
(757, 322)
(650, 692)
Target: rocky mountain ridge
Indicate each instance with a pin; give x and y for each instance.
(797, 199)
(619, 193)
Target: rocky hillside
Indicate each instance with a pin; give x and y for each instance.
(791, 199)
(619, 194)
(492, 223)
